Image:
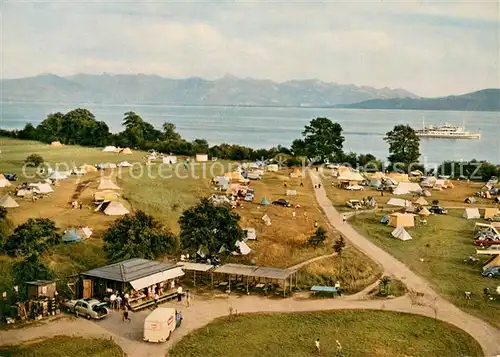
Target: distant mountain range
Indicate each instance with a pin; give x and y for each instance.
(483, 100)
(151, 89)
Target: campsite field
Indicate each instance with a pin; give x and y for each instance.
(448, 198)
(361, 333)
(63, 346)
(445, 245)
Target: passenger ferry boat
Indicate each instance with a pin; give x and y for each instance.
(447, 131)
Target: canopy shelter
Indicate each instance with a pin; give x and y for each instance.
(196, 268)
(484, 226)
(128, 276)
(258, 272)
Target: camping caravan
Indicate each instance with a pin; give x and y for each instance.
(160, 323)
(8, 202)
(401, 220)
(471, 213)
(169, 159)
(109, 149)
(56, 144)
(201, 157)
(401, 233)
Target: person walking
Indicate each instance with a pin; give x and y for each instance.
(157, 298)
(112, 300)
(119, 302)
(318, 349)
(339, 349)
(344, 218)
(125, 314)
(179, 294)
(188, 298)
(125, 300)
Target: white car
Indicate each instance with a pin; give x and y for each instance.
(355, 188)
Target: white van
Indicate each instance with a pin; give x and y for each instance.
(160, 323)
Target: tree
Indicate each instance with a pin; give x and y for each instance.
(33, 236)
(339, 245)
(138, 236)
(384, 285)
(299, 147)
(318, 238)
(30, 269)
(199, 146)
(404, 146)
(28, 132)
(322, 140)
(50, 128)
(170, 133)
(211, 227)
(34, 160)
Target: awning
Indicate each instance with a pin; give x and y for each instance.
(156, 278)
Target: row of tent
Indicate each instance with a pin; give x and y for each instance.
(473, 213)
(126, 151)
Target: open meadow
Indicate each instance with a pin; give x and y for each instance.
(361, 333)
(444, 244)
(165, 191)
(63, 346)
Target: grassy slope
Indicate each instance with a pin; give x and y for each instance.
(63, 346)
(361, 333)
(444, 244)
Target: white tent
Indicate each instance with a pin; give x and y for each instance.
(401, 233)
(115, 208)
(125, 164)
(201, 157)
(4, 182)
(471, 213)
(56, 175)
(405, 188)
(251, 234)
(170, 159)
(399, 202)
(41, 187)
(109, 149)
(439, 183)
(107, 184)
(266, 220)
(244, 248)
(8, 202)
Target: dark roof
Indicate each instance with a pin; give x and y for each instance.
(129, 270)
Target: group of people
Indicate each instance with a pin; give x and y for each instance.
(119, 302)
(339, 347)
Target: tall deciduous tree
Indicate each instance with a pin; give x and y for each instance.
(138, 236)
(323, 140)
(404, 146)
(33, 236)
(170, 133)
(211, 227)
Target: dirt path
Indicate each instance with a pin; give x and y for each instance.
(486, 335)
(312, 260)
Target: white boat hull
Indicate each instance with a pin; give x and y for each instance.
(475, 136)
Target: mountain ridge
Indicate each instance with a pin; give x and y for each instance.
(154, 89)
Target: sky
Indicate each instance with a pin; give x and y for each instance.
(430, 48)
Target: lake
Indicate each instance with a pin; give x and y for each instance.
(264, 127)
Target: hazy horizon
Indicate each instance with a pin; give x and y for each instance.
(431, 49)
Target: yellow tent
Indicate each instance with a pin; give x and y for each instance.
(56, 144)
(399, 177)
(401, 220)
(126, 151)
(490, 212)
(88, 168)
(424, 212)
(296, 173)
(106, 195)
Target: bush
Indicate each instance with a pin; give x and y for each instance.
(34, 160)
(339, 245)
(318, 238)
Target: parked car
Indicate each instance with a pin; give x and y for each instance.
(486, 242)
(282, 202)
(90, 308)
(492, 272)
(438, 210)
(248, 197)
(356, 204)
(10, 177)
(355, 188)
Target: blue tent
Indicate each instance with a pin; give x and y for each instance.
(264, 201)
(71, 236)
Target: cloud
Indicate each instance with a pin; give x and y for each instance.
(431, 48)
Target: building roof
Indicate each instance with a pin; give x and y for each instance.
(195, 266)
(255, 271)
(129, 270)
(40, 282)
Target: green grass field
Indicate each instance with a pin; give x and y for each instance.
(64, 346)
(444, 244)
(361, 333)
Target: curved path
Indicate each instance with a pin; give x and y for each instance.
(486, 335)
